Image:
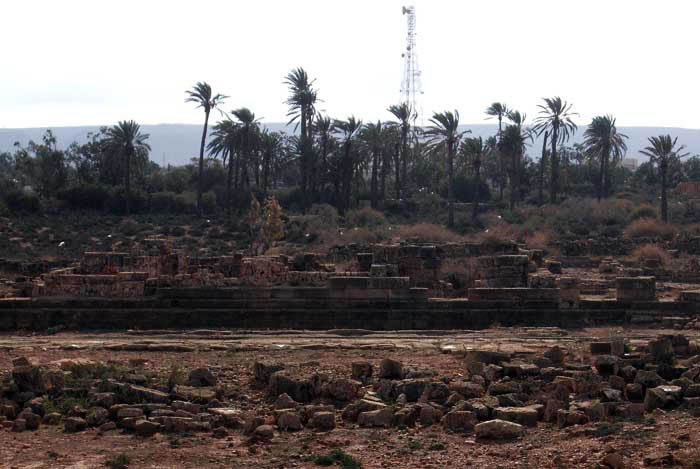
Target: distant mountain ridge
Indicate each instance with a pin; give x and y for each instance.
(176, 144)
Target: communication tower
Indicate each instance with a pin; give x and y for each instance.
(411, 90)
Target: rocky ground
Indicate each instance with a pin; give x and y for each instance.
(501, 398)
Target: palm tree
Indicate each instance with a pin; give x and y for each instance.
(126, 139)
(201, 94)
(225, 142)
(499, 111)
(323, 128)
(603, 141)
(555, 117)
(663, 152)
(302, 101)
(272, 146)
(373, 136)
(475, 149)
(445, 131)
(512, 147)
(249, 137)
(405, 115)
(543, 163)
(349, 128)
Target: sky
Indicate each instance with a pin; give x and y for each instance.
(74, 62)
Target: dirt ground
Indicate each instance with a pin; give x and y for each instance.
(231, 354)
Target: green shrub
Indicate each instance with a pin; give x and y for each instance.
(117, 201)
(327, 214)
(120, 461)
(464, 188)
(365, 217)
(186, 203)
(338, 455)
(645, 211)
(129, 227)
(87, 197)
(163, 202)
(22, 201)
(209, 202)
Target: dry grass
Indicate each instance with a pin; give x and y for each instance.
(651, 252)
(425, 233)
(649, 228)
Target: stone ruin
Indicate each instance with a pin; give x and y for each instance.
(502, 271)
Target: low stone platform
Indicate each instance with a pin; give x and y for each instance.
(315, 308)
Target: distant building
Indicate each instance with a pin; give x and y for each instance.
(630, 163)
(689, 188)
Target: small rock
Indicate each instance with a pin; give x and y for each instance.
(146, 428)
(74, 424)
(19, 425)
(323, 421)
(376, 418)
(201, 377)
(264, 432)
(362, 370)
(390, 369)
(499, 430)
(289, 420)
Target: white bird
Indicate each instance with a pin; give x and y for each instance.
(61, 244)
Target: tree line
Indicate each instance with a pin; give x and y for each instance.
(341, 161)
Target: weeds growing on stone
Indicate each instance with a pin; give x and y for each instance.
(120, 461)
(338, 456)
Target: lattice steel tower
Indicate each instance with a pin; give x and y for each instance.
(411, 90)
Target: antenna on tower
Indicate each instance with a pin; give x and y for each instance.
(411, 90)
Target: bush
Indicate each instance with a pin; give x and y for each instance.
(87, 197)
(649, 228)
(365, 217)
(22, 201)
(117, 200)
(209, 202)
(186, 203)
(163, 202)
(326, 214)
(290, 199)
(129, 227)
(338, 455)
(464, 189)
(121, 461)
(645, 211)
(425, 233)
(651, 252)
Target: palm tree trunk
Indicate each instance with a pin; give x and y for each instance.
(554, 189)
(600, 177)
(450, 187)
(606, 173)
(664, 202)
(542, 163)
(200, 181)
(384, 171)
(397, 169)
(304, 161)
(477, 185)
(128, 183)
(373, 178)
(228, 183)
(404, 155)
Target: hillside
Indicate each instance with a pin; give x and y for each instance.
(175, 144)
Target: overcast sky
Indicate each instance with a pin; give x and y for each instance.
(73, 62)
